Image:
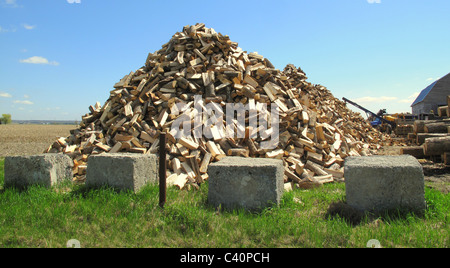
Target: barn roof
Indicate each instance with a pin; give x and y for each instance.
(428, 89)
(424, 93)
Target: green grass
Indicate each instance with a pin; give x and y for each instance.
(40, 217)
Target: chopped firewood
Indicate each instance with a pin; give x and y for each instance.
(189, 144)
(316, 131)
(181, 180)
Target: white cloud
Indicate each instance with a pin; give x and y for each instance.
(74, 1)
(431, 79)
(26, 102)
(410, 99)
(11, 3)
(26, 96)
(369, 99)
(374, 1)
(39, 60)
(29, 27)
(5, 95)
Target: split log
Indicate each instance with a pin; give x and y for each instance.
(315, 168)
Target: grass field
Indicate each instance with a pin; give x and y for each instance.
(39, 217)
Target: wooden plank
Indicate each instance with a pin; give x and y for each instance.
(279, 153)
(102, 146)
(116, 148)
(249, 80)
(238, 152)
(192, 161)
(315, 168)
(176, 166)
(337, 174)
(269, 89)
(291, 175)
(183, 150)
(205, 163)
(319, 133)
(189, 171)
(189, 144)
(212, 148)
(181, 180)
(324, 179)
(170, 180)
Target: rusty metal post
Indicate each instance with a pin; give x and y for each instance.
(162, 169)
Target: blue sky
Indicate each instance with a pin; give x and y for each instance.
(58, 57)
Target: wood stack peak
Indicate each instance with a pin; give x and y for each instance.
(317, 131)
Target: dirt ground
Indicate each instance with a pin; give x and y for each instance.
(29, 139)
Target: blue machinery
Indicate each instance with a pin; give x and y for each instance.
(378, 119)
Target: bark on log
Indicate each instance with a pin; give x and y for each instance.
(416, 151)
(440, 127)
(436, 146)
(419, 125)
(420, 139)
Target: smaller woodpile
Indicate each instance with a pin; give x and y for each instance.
(317, 131)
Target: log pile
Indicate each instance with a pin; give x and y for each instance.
(424, 129)
(432, 138)
(316, 131)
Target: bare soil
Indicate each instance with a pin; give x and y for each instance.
(29, 139)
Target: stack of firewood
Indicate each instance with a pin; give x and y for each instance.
(316, 131)
(432, 138)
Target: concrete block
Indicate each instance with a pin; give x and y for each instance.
(380, 183)
(44, 169)
(123, 171)
(249, 183)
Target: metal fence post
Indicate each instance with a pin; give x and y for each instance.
(162, 169)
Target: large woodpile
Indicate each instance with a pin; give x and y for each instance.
(316, 132)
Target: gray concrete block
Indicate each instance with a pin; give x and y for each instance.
(249, 183)
(380, 183)
(44, 169)
(123, 171)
